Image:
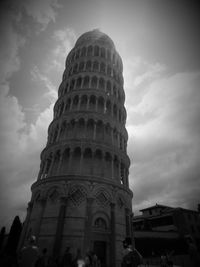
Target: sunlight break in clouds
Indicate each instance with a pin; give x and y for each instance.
(164, 148)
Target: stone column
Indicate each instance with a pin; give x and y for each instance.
(42, 204)
(25, 227)
(112, 136)
(44, 169)
(60, 226)
(41, 171)
(59, 164)
(88, 224)
(79, 103)
(81, 162)
(58, 136)
(95, 127)
(127, 220)
(51, 166)
(112, 167)
(96, 104)
(88, 103)
(113, 235)
(131, 229)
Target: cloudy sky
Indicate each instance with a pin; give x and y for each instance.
(159, 45)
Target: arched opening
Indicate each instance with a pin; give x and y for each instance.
(101, 84)
(103, 52)
(92, 102)
(65, 162)
(94, 82)
(62, 131)
(98, 162)
(90, 50)
(116, 168)
(83, 104)
(55, 163)
(81, 128)
(75, 103)
(100, 105)
(75, 166)
(96, 66)
(88, 65)
(96, 51)
(87, 167)
(90, 129)
(83, 52)
(78, 83)
(81, 66)
(108, 107)
(86, 82)
(99, 131)
(100, 223)
(108, 165)
(67, 107)
(109, 70)
(102, 67)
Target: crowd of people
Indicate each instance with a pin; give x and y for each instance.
(31, 256)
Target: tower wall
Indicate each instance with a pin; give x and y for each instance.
(82, 198)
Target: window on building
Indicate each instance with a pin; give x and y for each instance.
(100, 223)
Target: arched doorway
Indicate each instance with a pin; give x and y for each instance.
(101, 240)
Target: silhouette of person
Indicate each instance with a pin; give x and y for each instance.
(67, 258)
(29, 254)
(131, 257)
(193, 252)
(43, 259)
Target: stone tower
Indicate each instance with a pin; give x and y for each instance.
(82, 198)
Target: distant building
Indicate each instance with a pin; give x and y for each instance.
(162, 228)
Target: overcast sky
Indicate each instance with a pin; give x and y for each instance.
(159, 45)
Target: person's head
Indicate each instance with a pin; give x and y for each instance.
(44, 251)
(189, 239)
(32, 240)
(67, 249)
(127, 242)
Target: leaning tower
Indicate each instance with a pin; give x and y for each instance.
(81, 198)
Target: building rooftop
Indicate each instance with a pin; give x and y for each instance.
(157, 206)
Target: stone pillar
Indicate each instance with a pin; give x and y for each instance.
(58, 136)
(42, 204)
(60, 164)
(70, 161)
(88, 104)
(45, 169)
(88, 225)
(81, 162)
(112, 167)
(25, 226)
(79, 103)
(60, 226)
(96, 104)
(132, 233)
(95, 128)
(41, 171)
(127, 220)
(71, 104)
(51, 166)
(113, 236)
(112, 136)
